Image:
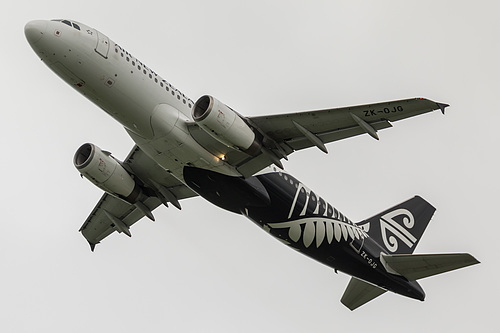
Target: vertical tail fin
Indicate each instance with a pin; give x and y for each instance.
(400, 228)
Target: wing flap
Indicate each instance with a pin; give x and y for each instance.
(359, 292)
(419, 266)
(98, 225)
(281, 128)
(298, 143)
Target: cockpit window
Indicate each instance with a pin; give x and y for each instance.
(76, 26)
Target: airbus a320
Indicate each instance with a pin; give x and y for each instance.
(205, 148)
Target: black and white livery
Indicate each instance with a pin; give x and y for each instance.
(205, 148)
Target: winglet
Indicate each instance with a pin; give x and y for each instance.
(442, 106)
(92, 246)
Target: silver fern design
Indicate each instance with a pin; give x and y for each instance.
(312, 228)
(329, 225)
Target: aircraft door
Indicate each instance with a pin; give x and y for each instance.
(102, 46)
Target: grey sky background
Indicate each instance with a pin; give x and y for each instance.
(206, 270)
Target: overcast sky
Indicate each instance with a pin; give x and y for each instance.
(206, 270)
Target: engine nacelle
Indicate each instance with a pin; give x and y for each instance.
(105, 172)
(224, 124)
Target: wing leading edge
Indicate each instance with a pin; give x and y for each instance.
(340, 123)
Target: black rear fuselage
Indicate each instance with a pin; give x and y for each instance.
(289, 211)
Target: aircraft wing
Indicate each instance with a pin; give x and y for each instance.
(113, 214)
(286, 133)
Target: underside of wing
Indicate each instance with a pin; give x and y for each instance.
(340, 123)
(283, 134)
(114, 214)
(99, 225)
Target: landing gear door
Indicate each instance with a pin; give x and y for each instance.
(102, 45)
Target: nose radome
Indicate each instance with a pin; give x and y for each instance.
(34, 30)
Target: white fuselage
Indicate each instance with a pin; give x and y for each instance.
(152, 111)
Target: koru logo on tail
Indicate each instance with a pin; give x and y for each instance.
(397, 230)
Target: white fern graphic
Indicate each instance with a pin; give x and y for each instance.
(319, 229)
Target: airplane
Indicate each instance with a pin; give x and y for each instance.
(205, 148)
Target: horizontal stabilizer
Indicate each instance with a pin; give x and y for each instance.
(419, 266)
(359, 292)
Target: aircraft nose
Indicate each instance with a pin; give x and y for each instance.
(34, 30)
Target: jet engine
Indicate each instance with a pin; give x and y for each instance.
(225, 125)
(105, 172)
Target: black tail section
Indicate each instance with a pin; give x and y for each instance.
(399, 228)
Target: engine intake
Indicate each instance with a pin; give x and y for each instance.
(225, 125)
(105, 172)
